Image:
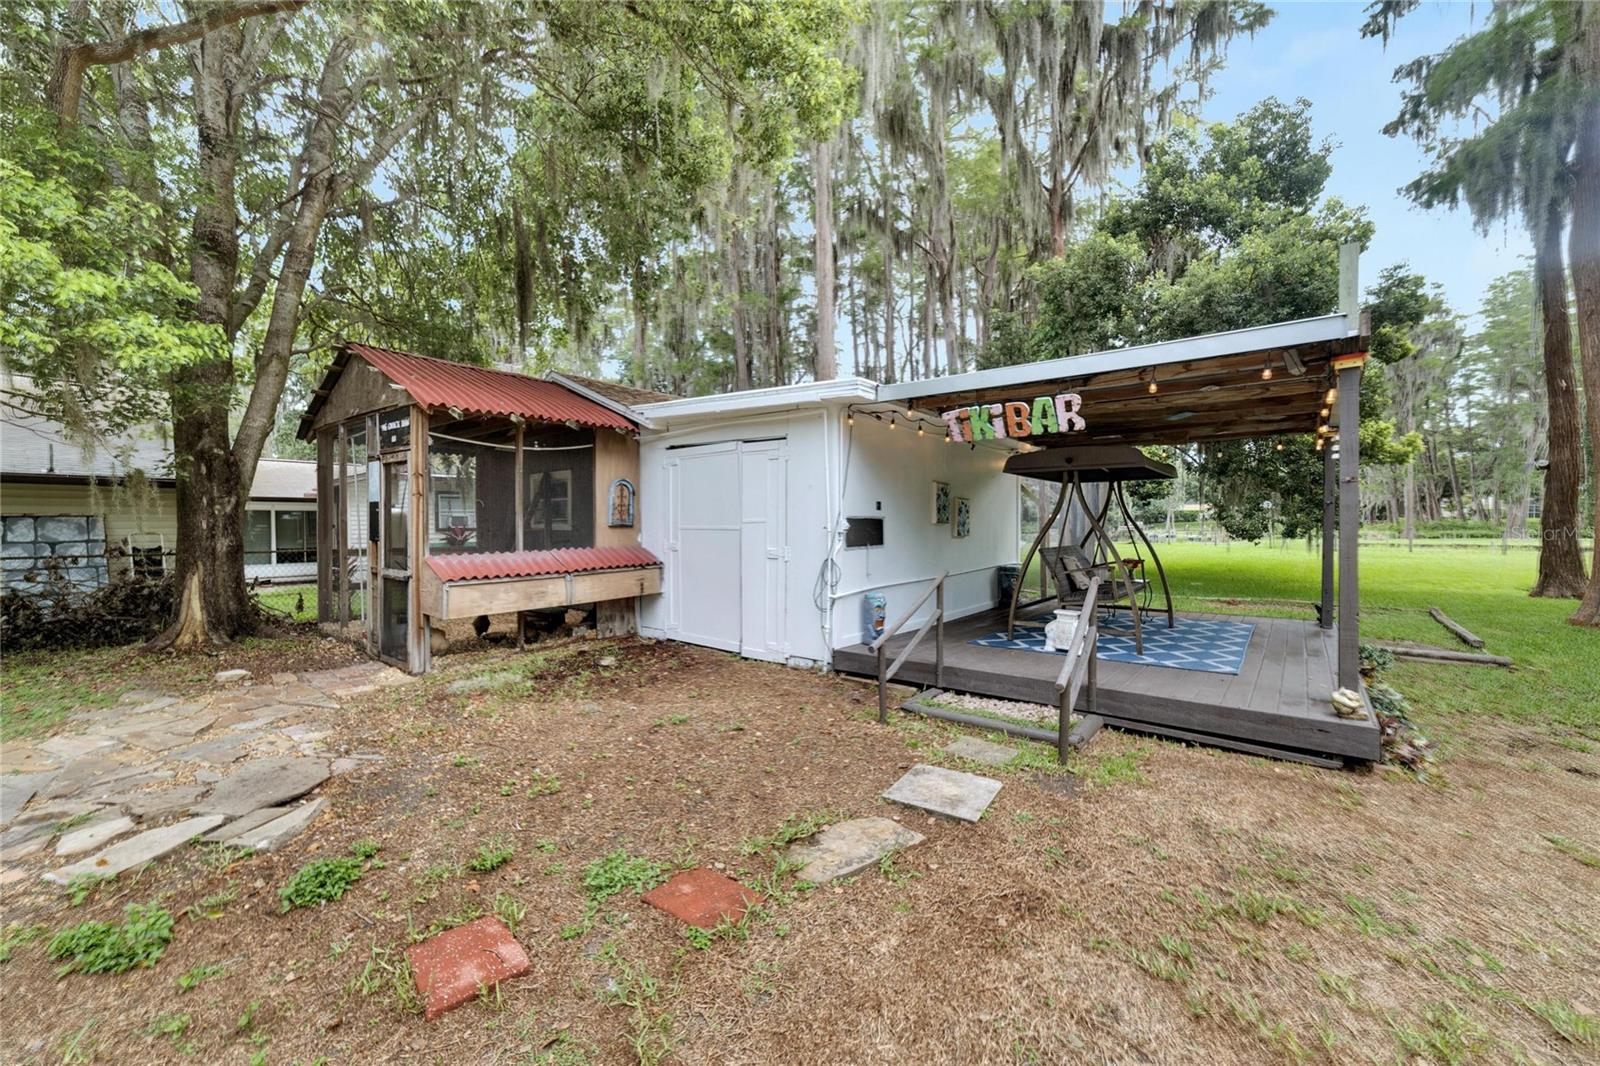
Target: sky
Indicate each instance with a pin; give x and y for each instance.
(1315, 50)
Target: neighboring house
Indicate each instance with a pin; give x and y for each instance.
(115, 508)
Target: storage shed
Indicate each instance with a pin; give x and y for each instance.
(449, 491)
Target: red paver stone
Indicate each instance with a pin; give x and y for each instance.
(702, 897)
(451, 967)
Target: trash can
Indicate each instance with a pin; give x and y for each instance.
(1008, 574)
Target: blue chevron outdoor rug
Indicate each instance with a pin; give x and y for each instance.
(1210, 645)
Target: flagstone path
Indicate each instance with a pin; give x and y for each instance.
(129, 783)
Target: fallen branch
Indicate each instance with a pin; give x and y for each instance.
(1462, 632)
(1428, 653)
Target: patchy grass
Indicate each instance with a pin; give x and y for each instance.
(1574, 851)
(492, 855)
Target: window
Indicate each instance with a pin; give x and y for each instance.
(863, 532)
(294, 536)
(550, 500)
(258, 538)
(397, 503)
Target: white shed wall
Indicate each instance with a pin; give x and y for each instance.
(897, 469)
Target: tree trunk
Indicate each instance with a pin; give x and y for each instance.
(822, 220)
(734, 266)
(640, 325)
(1560, 559)
(1584, 248)
(213, 602)
(888, 278)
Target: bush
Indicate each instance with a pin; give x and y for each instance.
(99, 947)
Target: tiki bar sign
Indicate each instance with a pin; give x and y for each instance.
(1016, 418)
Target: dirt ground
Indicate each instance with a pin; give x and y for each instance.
(1158, 904)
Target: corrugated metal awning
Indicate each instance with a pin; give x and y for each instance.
(486, 566)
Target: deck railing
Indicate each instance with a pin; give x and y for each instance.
(1079, 668)
(880, 646)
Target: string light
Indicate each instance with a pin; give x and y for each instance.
(1324, 412)
(1333, 394)
(919, 429)
(891, 422)
(1266, 371)
(1152, 388)
(850, 418)
(1279, 445)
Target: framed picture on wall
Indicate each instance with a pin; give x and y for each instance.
(941, 503)
(961, 525)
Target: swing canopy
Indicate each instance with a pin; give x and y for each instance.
(1093, 464)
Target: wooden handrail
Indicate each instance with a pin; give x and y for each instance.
(1080, 635)
(890, 631)
(885, 671)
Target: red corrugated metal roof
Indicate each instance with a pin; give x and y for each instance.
(480, 391)
(487, 565)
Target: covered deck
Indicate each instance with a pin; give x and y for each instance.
(1277, 703)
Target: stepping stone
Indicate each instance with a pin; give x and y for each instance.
(156, 740)
(216, 752)
(264, 782)
(850, 847)
(71, 748)
(979, 750)
(92, 835)
(269, 836)
(948, 792)
(156, 804)
(702, 897)
(451, 967)
(226, 676)
(17, 789)
(243, 825)
(137, 851)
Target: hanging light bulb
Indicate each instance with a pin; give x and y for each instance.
(850, 418)
(1152, 388)
(1279, 446)
(1324, 412)
(1333, 394)
(891, 422)
(919, 429)
(1319, 444)
(1266, 371)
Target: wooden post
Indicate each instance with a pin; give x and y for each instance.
(883, 684)
(341, 527)
(327, 513)
(419, 641)
(1349, 664)
(938, 636)
(1330, 487)
(517, 491)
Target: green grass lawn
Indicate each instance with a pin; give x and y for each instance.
(1557, 675)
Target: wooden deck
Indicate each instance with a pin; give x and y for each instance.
(1277, 704)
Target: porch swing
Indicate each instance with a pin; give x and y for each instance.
(1124, 580)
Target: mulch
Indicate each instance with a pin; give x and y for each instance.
(1030, 936)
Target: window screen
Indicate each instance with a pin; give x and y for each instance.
(558, 488)
(471, 473)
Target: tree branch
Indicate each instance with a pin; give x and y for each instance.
(64, 87)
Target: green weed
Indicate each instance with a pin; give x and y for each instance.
(795, 827)
(492, 855)
(1561, 1016)
(99, 947)
(319, 881)
(16, 934)
(192, 977)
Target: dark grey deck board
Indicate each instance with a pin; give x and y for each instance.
(1279, 698)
